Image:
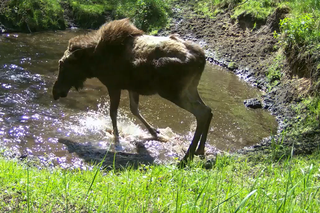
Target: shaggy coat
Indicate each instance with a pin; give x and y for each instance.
(122, 57)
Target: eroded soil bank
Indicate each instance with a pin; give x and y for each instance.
(248, 49)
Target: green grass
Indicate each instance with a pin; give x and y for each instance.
(274, 72)
(233, 185)
(260, 9)
(308, 116)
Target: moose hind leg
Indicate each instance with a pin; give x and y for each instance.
(134, 107)
(200, 150)
(191, 101)
(114, 104)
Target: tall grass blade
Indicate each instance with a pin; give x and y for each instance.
(226, 200)
(66, 186)
(202, 190)
(96, 173)
(313, 197)
(245, 200)
(28, 189)
(288, 193)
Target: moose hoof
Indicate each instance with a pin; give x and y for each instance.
(116, 140)
(199, 153)
(182, 164)
(118, 147)
(162, 138)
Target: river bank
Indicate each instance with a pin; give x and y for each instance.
(251, 51)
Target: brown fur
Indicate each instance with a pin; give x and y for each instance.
(116, 33)
(123, 58)
(84, 41)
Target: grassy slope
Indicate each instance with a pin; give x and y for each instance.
(233, 185)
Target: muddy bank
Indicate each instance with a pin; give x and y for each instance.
(247, 47)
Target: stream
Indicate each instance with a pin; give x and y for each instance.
(76, 130)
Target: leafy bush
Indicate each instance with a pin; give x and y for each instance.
(33, 15)
(90, 13)
(147, 15)
(302, 29)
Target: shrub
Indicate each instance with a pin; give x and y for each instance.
(300, 30)
(90, 13)
(147, 15)
(34, 15)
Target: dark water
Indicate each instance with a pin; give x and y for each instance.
(32, 123)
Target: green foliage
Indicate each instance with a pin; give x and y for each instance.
(310, 108)
(33, 15)
(300, 37)
(207, 8)
(274, 73)
(305, 6)
(90, 14)
(259, 9)
(279, 150)
(147, 15)
(211, 8)
(302, 27)
(301, 30)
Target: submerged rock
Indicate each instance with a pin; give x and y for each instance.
(253, 103)
(2, 28)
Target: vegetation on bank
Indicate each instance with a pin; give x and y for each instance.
(299, 42)
(232, 185)
(36, 15)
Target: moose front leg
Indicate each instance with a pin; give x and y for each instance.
(114, 104)
(134, 107)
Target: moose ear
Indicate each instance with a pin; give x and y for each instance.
(82, 53)
(72, 55)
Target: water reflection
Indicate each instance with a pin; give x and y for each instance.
(33, 123)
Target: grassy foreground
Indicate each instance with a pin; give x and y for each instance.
(232, 185)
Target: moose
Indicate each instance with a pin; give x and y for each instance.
(123, 57)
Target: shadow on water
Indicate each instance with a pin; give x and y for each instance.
(111, 160)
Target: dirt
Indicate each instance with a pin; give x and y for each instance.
(247, 47)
